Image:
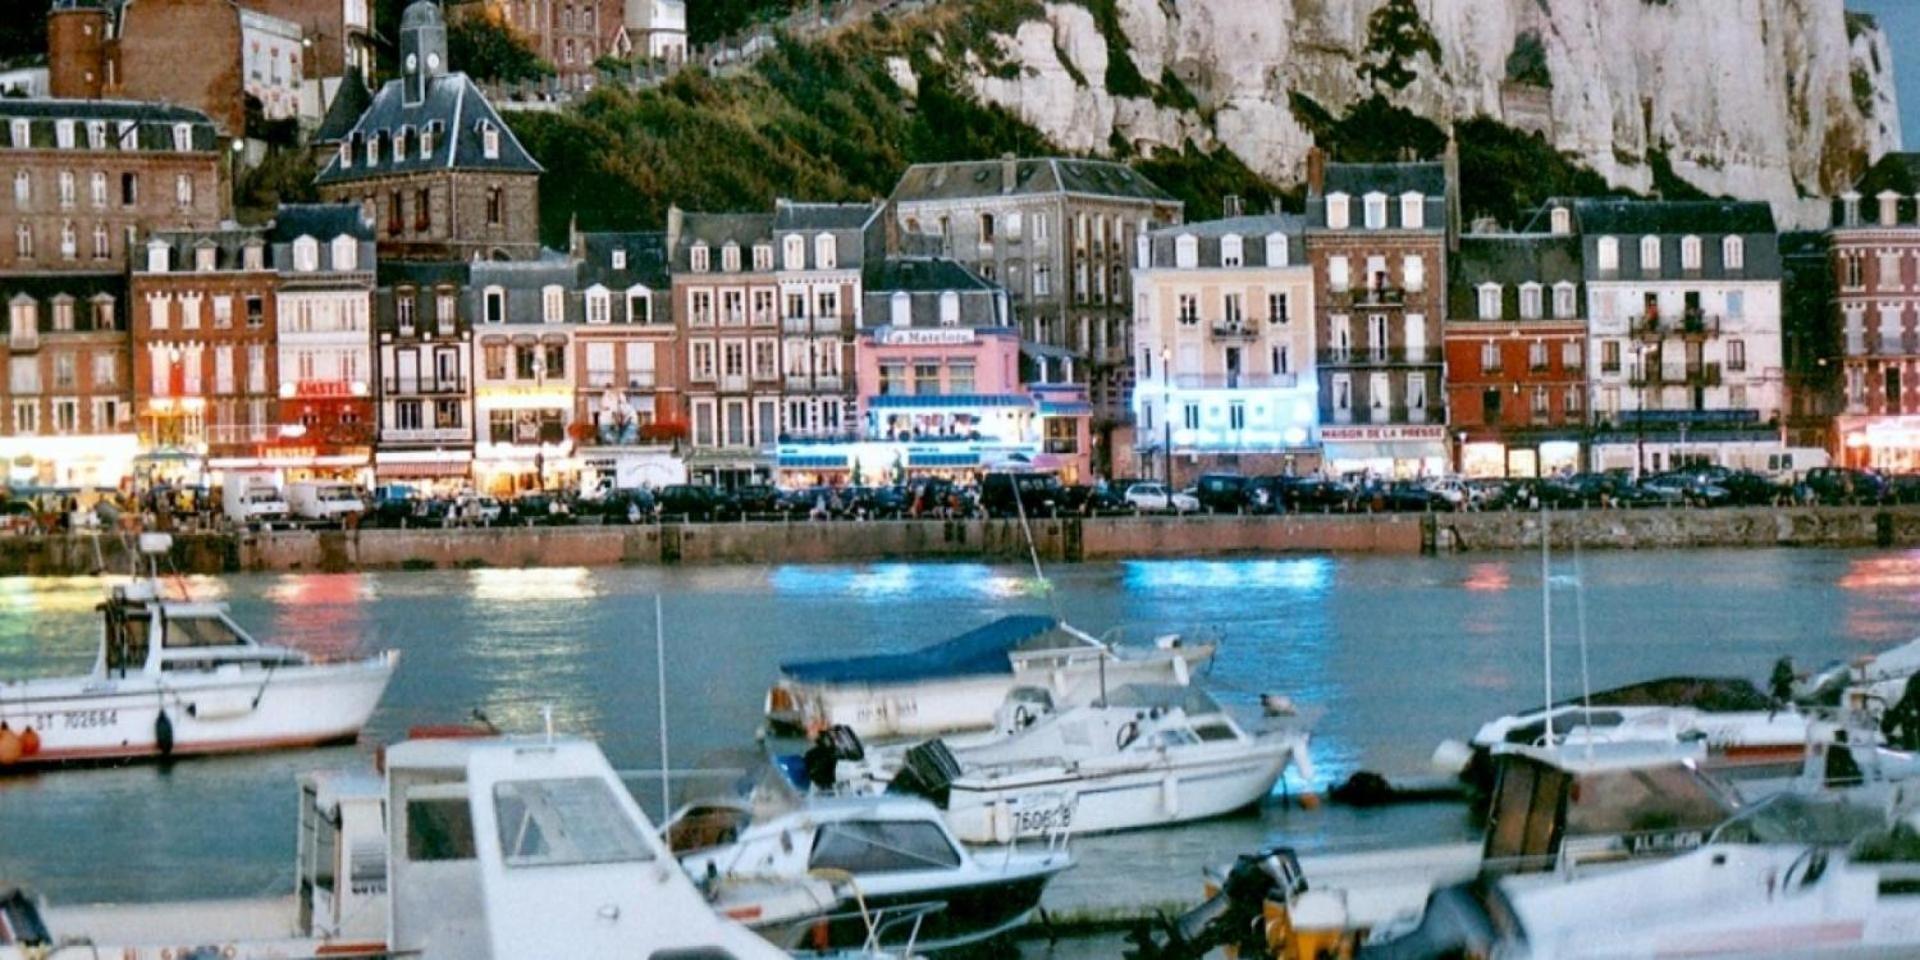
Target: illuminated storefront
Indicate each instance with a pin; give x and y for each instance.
(1399, 451)
(100, 462)
(1885, 443)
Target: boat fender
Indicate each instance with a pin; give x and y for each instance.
(1128, 731)
(29, 742)
(163, 734)
(9, 745)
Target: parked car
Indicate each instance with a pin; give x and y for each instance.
(1843, 485)
(538, 509)
(1156, 498)
(687, 501)
(877, 503)
(1222, 493)
(1412, 496)
(1091, 501)
(625, 506)
(1453, 490)
(757, 498)
(1040, 494)
(1317, 495)
(1747, 488)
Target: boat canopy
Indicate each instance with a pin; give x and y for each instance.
(980, 652)
(1163, 696)
(1711, 694)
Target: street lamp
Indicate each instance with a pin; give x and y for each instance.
(1166, 417)
(1640, 413)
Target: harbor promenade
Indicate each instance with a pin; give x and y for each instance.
(1070, 540)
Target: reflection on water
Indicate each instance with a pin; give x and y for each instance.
(1395, 653)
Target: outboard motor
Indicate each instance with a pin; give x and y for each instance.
(928, 771)
(20, 922)
(822, 760)
(1230, 917)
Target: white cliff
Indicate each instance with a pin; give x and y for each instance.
(1778, 100)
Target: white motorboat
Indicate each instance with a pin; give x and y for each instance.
(914, 883)
(500, 848)
(1146, 756)
(178, 677)
(957, 685)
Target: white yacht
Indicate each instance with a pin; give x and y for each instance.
(178, 677)
(1146, 755)
(958, 684)
(911, 882)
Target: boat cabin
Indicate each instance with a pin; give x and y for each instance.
(143, 634)
(1566, 807)
(341, 857)
(511, 847)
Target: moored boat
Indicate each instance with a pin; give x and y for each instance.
(179, 677)
(958, 684)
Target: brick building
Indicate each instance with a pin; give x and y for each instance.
(324, 255)
(1059, 235)
(88, 177)
(525, 377)
(823, 251)
(569, 34)
(1875, 259)
(1378, 236)
(205, 361)
(66, 398)
(431, 164)
(657, 29)
(423, 325)
(338, 35)
(726, 308)
(1516, 352)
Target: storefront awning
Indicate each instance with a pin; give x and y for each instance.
(813, 463)
(948, 401)
(1066, 408)
(1385, 450)
(409, 471)
(915, 459)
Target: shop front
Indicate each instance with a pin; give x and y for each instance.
(1887, 444)
(1394, 451)
(1522, 459)
(432, 472)
(99, 462)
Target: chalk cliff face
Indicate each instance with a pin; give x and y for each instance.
(1778, 100)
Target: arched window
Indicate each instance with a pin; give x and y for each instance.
(824, 252)
(306, 254)
(346, 253)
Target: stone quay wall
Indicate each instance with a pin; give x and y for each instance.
(1056, 541)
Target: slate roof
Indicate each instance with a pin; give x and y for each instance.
(82, 287)
(321, 221)
(1392, 179)
(458, 108)
(229, 246)
(792, 215)
(350, 101)
(1513, 260)
(1032, 176)
(154, 121)
(421, 273)
(646, 259)
(923, 275)
(1644, 217)
(1252, 230)
(745, 229)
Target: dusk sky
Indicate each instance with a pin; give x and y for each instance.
(1900, 20)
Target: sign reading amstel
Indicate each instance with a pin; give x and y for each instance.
(926, 336)
(1329, 434)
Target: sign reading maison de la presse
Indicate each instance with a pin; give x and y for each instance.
(1370, 434)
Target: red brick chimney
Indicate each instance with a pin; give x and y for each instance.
(1316, 171)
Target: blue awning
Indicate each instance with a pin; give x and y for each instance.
(943, 459)
(1066, 408)
(980, 652)
(813, 463)
(926, 401)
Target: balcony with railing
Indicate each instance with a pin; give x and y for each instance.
(1242, 329)
(1687, 375)
(421, 386)
(1233, 381)
(426, 435)
(1400, 414)
(1379, 295)
(239, 434)
(1690, 323)
(817, 383)
(821, 324)
(733, 382)
(1379, 357)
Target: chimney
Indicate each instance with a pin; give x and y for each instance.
(1316, 171)
(1450, 163)
(1009, 172)
(1230, 205)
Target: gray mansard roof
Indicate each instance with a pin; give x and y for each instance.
(716, 230)
(1252, 231)
(1636, 218)
(1033, 176)
(456, 109)
(1392, 179)
(646, 253)
(1512, 261)
(922, 275)
(154, 121)
(229, 247)
(321, 221)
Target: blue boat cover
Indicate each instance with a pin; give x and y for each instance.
(979, 652)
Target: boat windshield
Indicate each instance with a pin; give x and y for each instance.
(1645, 800)
(1792, 818)
(550, 823)
(883, 846)
(201, 631)
(1163, 696)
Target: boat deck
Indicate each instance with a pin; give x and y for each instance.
(195, 921)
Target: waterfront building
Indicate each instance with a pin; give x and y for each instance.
(432, 165)
(1876, 268)
(1516, 353)
(1378, 236)
(337, 38)
(657, 29)
(323, 314)
(205, 355)
(628, 401)
(525, 378)
(424, 356)
(726, 309)
(1810, 340)
(568, 34)
(1224, 349)
(944, 389)
(1683, 313)
(823, 250)
(205, 55)
(1059, 235)
(67, 398)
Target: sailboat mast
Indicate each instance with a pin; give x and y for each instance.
(660, 678)
(1546, 609)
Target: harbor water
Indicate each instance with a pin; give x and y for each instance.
(1395, 653)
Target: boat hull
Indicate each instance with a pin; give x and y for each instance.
(96, 720)
(1000, 810)
(242, 929)
(973, 913)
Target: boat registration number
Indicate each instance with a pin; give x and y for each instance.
(75, 719)
(1044, 819)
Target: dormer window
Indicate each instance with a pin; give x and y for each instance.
(253, 257)
(400, 144)
(373, 150)
(427, 136)
(824, 252)
(156, 256)
(1733, 253)
(1564, 306)
(1230, 251)
(345, 253)
(1413, 211)
(900, 309)
(203, 258)
(1607, 251)
(22, 134)
(182, 137)
(96, 134)
(306, 254)
(762, 257)
(730, 257)
(1186, 251)
(619, 259)
(1689, 253)
(1562, 220)
(700, 258)
(1531, 307)
(489, 140)
(1489, 301)
(793, 252)
(127, 135)
(1849, 203)
(1337, 213)
(553, 304)
(63, 134)
(1889, 208)
(1650, 254)
(1376, 211)
(346, 155)
(1277, 253)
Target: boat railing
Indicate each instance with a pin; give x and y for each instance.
(1056, 841)
(879, 921)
